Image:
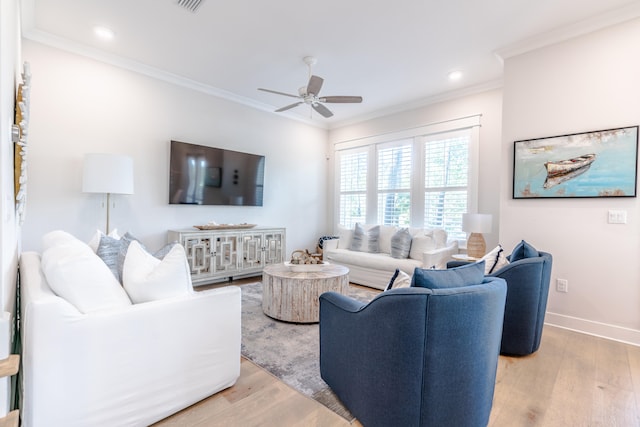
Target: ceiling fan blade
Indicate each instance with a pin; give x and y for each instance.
(315, 84)
(278, 93)
(288, 107)
(341, 99)
(324, 111)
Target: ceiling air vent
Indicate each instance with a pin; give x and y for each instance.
(190, 5)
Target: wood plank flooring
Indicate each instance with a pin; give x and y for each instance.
(574, 380)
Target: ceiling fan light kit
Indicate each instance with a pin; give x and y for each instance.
(309, 94)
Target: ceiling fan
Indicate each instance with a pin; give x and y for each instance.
(309, 94)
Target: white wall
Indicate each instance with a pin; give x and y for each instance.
(9, 231)
(81, 105)
(587, 83)
(488, 104)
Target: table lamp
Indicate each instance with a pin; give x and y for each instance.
(107, 174)
(476, 224)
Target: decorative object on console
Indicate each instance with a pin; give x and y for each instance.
(215, 226)
(590, 164)
(476, 224)
(107, 174)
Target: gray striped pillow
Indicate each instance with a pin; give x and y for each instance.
(366, 241)
(401, 244)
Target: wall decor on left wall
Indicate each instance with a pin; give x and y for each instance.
(19, 137)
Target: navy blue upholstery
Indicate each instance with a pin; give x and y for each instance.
(414, 356)
(527, 292)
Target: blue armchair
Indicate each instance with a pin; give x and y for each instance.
(527, 292)
(414, 356)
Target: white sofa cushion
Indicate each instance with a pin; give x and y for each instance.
(377, 261)
(75, 273)
(146, 278)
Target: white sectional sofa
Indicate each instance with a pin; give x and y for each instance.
(126, 364)
(428, 248)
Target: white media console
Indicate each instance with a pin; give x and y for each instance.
(224, 254)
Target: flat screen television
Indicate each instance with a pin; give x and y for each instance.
(201, 175)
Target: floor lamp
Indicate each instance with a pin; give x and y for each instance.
(476, 224)
(107, 174)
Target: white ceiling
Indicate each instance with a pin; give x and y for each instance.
(395, 54)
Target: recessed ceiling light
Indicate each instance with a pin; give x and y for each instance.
(104, 33)
(455, 75)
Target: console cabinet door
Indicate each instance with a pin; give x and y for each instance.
(199, 255)
(273, 248)
(225, 254)
(252, 251)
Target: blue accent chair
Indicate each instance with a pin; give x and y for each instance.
(527, 293)
(414, 356)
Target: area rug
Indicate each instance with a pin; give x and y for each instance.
(290, 351)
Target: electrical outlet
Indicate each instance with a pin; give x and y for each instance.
(562, 285)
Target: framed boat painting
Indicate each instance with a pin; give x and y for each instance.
(601, 163)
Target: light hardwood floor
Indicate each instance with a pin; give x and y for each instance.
(574, 380)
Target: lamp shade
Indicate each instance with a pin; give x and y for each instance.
(476, 223)
(107, 173)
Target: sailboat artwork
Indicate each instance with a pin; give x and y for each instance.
(564, 170)
(591, 164)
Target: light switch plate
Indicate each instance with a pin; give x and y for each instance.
(617, 217)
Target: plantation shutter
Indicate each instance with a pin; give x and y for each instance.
(394, 184)
(353, 187)
(446, 163)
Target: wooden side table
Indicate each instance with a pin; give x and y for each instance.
(293, 297)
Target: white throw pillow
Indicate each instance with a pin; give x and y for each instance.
(146, 278)
(495, 260)
(386, 233)
(79, 276)
(402, 281)
(421, 244)
(56, 238)
(344, 234)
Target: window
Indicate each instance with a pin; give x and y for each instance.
(422, 180)
(353, 187)
(394, 184)
(446, 167)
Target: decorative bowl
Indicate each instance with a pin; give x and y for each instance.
(305, 268)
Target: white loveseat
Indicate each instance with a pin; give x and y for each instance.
(129, 365)
(428, 248)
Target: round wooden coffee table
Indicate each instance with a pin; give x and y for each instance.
(293, 296)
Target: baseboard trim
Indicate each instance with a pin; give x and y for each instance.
(589, 327)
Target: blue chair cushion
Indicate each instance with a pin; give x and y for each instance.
(523, 250)
(465, 275)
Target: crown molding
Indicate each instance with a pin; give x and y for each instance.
(420, 103)
(156, 73)
(580, 28)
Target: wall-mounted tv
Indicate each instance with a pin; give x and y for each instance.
(201, 175)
